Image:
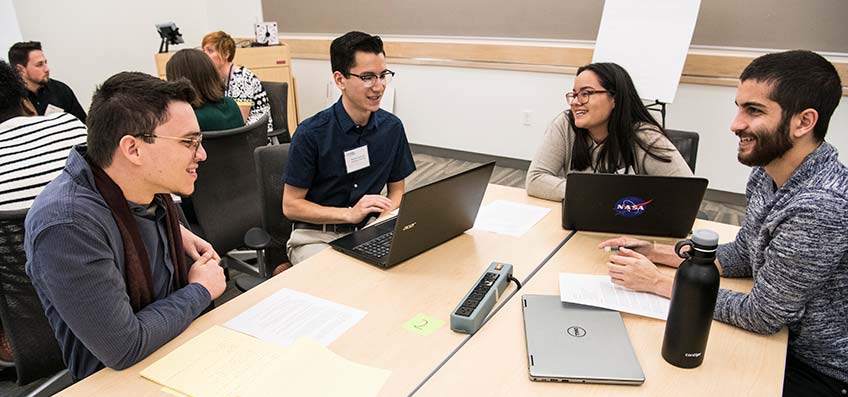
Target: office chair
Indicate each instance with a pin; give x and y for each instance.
(226, 195)
(278, 94)
(270, 240)
(35, 349)
(686, 143)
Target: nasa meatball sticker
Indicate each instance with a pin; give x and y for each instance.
(631, 207)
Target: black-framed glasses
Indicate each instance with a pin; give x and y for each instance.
(193, 143)
(369, 79)
(582, 97)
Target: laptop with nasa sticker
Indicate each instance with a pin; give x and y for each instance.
(632, 204)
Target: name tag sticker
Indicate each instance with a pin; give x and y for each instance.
(52, 109)
(357, 159)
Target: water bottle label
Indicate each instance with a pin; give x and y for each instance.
(695, 355)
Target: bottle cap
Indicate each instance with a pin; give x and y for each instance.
(705, 238)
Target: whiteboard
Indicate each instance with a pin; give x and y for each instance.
(649, 38)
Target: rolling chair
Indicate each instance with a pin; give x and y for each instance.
(269, 240)
(35, 349)
(686, 143)
(278, 94)
(226, 195)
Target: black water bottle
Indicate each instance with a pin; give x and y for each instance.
(693, 299)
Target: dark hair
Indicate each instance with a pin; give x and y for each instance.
(343, 50)
(19, 52)
(196, 66)
(129, 103)
(12, 92)
(626, 117)
(800, 80)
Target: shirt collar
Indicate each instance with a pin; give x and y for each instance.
(347, 124)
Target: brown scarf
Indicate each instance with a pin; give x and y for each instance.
(137, 275)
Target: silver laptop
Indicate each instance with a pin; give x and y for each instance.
(567, 342)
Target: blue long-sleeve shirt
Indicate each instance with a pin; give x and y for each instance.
(794, 243)
(75, 258)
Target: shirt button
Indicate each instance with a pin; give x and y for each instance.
(355, 185)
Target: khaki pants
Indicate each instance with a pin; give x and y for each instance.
(304, 243)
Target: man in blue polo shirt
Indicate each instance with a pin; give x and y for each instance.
(340, 159)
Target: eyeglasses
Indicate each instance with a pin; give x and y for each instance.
(582, 97)
(369, 79)
(193, 143)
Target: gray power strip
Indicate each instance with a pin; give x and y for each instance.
(478, 303)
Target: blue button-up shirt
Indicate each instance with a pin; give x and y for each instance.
(316, 156)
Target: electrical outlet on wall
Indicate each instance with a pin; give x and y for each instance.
(527, 117)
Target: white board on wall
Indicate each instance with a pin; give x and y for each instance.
(649, 38)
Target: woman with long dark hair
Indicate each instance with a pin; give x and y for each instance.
(214, 111)
(606, 129)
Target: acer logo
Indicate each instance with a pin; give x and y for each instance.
(409, 226)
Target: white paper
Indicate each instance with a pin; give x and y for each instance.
(650, 39)
(53, 109)
(507, 217)
(599, 291)
(287, 315)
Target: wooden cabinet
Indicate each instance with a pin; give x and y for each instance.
(272, 63)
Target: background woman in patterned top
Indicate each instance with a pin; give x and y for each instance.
(241, 84)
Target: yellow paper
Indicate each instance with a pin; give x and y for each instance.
(222, 362)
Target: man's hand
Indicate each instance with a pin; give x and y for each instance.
(368, 204)
(206, 272)
(195, 247)
(633, 270)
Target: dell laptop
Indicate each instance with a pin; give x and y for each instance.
(632, 204)
(428, 216)
(567, 342)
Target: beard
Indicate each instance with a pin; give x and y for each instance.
(768, 145)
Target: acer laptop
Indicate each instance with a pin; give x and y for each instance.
(567, 342)
(428, 216)
(632, 204)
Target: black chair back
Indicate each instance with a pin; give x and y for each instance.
(34, 345)
(278, 94)
(226, 195)
(270, 171)
(686, 143)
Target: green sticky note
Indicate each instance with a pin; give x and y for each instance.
(423, 324)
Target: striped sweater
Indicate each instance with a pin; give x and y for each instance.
(33, 151)
(794, 243)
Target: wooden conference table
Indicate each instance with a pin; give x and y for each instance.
(494, 361)
(431, 283)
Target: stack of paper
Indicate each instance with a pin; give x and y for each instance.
(222, 362)
(599, 291)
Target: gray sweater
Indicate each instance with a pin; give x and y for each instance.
(794, 243)
(549, 168)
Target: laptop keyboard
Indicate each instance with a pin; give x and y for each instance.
(377, 247)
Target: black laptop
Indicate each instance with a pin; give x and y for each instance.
(428, 216)
(632, 204)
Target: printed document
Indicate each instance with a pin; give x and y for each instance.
(288, 314)
(599, 291)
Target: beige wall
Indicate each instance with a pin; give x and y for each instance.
(780, 24)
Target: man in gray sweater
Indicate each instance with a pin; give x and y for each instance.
(794, 239)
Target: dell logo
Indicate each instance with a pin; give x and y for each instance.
(409, 226)
(575, 331)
